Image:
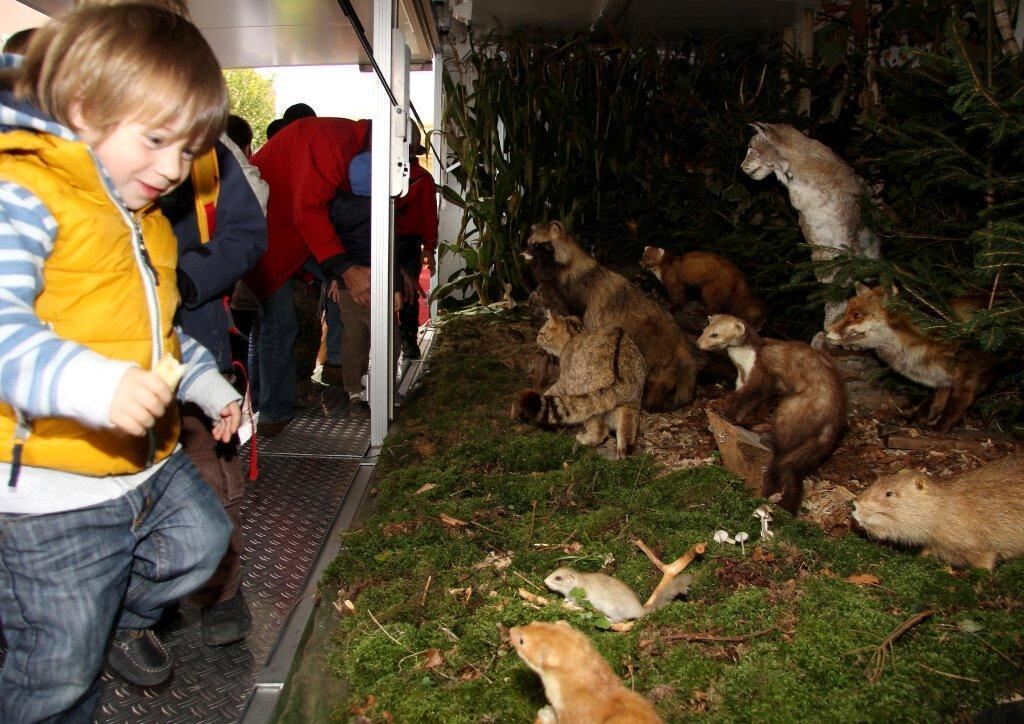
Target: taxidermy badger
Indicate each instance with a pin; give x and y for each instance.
(823, 189)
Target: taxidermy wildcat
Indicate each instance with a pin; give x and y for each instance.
(601, 382)
(603, 298)
(824, 190)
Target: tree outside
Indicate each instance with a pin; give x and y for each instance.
(252, 98)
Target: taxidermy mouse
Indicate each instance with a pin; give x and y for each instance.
(610, 596)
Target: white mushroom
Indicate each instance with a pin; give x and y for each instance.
(764, 512)
(740, 538)
(722, 536)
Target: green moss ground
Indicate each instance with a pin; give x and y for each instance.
(530, 494)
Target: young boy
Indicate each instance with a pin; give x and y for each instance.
(103, 521)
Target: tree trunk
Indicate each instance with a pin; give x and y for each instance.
(1002, 16)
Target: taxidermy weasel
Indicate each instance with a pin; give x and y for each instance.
(826, 193)
(600, 383)
(957, 375)
(610, 596)
(580, 685)
(811, 416)
(723, 288)
(603, 298)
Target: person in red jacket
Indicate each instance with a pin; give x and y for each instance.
(415, 241)
(304, 164)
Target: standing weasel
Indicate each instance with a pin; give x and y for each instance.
(723, 288)
(611, 596)
(811, 416)
(956, 374)
(580, 685)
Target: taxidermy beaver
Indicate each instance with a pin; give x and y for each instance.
(974, 519)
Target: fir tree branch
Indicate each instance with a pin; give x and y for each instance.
(978, 84)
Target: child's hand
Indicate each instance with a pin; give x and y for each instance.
(139, 401)
(227, 425)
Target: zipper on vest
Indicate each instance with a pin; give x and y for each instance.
(21, 433)
(149, 282)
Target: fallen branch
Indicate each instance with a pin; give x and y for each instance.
(709, 638)
(671, 570)
(423, 599)
(882, 651)
(948, 675)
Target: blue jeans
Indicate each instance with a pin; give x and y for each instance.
(278, 330)
(68, 579)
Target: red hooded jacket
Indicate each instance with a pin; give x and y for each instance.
(416, 212)
(304, 164)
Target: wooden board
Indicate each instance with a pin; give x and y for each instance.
(743, 453)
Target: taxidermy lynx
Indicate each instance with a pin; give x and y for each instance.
(824, 190)
(601, 383)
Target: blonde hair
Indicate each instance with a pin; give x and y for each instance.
(126, 62)
(175, 6)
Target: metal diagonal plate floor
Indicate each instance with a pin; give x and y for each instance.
(305, 473)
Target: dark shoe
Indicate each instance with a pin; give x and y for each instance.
(410, 350)
(271, 428)
(330, 374)
(138, 656)
(226, 622)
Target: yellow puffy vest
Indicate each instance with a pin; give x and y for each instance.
(94, 292)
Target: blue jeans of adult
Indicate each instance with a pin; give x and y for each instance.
(67, 579)
(279, 327)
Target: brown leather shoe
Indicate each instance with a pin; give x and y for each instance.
(330, 374)
(271, 428)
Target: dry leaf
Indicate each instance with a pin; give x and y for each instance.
(623, 626)
(759, 555)
(495, 560)
(425, 488)
(452, 522)
(434, 659)
(863, 579)
(469, 673)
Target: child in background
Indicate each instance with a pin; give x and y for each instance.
(103, 520)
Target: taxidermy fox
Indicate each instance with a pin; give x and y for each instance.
(811, 415)
(578, 283)
(601, 382)
(956, 374)
(824, 190)
(723, 288)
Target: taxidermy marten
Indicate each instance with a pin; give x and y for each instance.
(603, 298)
(957, 375)
(580, 685)
(723, 288)
(601, 380)
(811, 416)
